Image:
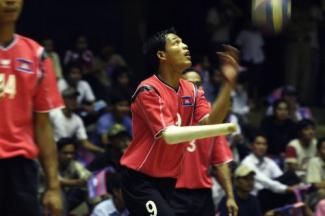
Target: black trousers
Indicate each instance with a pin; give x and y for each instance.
(193, 202)
(145, 195)
(18, 187)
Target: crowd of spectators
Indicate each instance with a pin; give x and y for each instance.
(279, 159)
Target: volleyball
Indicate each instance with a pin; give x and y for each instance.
(271, 15)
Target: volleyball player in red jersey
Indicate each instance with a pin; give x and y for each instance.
(193, 195)
(27, 92)
(159, 103)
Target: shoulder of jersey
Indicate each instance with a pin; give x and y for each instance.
(29, 42)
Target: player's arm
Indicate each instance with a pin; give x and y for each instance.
(91, 147)
(229, 68)
(225, 181)
(48, 159)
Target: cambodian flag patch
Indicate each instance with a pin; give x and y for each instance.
(24, 65)
(187, 101)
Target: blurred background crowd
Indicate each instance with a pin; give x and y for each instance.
(277, 103)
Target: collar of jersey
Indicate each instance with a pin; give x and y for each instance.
(166, 84)
(9, 44)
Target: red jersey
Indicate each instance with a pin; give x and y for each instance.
(29, 86)
(200, 155)
(156, 106)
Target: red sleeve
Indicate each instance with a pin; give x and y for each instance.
(47, 96)
(202, 107)
(290, 153)
(221, 152)
(153, 111)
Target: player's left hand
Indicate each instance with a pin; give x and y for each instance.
(52, 202)
(229, 60)
(232, 207)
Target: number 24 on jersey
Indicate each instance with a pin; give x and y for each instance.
(7, 86)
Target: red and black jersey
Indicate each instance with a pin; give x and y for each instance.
(156, 106)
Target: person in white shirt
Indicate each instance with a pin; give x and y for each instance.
(271, 184)
(74, 79)
(68, 124)
(115, 205)
(266, 169)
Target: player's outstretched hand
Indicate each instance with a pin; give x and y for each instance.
(232, 51)
(52, 202)
(232, 207)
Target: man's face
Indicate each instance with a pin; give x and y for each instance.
(122, 108)
(246, 183)
(281, 111)
(75, 75)
(10, 10)
(193, 77)
(121, 141)
(176, 53)
(48, 45)
(71, 103)
(123, 79)
(66, 154)
(308, 133)
(259, 146)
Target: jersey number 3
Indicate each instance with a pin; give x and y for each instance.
(7, 86)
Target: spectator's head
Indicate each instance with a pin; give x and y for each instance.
(244, 179)
(69, 96)
(121, 77)
(73, 74)
(10, 11)
(67, 149)
(81, 43)
(321, 148)
(281, 110)
(166, 48)
(193, 76)
(48, 45)
(290, 94)
(118, 136)
(306, 130)
(259, 145)
(215, 76)
(114, 187)
(121, 105)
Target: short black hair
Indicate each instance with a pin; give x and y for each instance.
(259, 133)
(320, 143)
(277, 103)
(113, 181)
(155, 43)
(302, 124)
(66, 141)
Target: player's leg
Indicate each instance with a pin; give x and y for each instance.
(22, 197)
(203, 203)
(3, 187)
(142, 196)
(181, 202)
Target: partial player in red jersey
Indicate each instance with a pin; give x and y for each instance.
(27, 92)
(160, 103)
(193, 195)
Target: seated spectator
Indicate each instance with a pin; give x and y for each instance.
(74, 80)
(212, 85)
(289, 94)
(121, 84)
(248, 204)
(299, 151)
(270, 182)
(240, 101)
(266, 169)
(68, 124)
(192, 75)
(72, 174)
(278, 128)
(120, 114)
(119, 139)
(49, 48)
(115, 205)
(316, 176)
(80, 54)
(111, 60)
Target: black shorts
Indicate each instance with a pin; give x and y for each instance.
(145, 195)
(18, 187)
(193, 202)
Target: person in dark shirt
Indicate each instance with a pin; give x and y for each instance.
(278, 128)
(248, 205)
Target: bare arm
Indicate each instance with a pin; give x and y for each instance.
(72, 182)
(91, 147)
(224, 177)
(48, 159)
